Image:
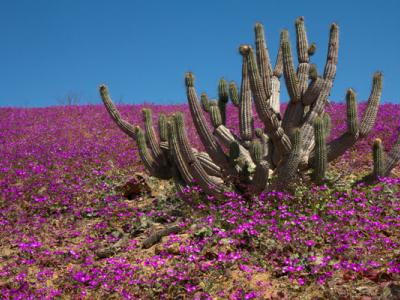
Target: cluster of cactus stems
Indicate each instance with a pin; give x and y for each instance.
(286, 147)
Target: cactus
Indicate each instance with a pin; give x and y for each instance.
(285, 147)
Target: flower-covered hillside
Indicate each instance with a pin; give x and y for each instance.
(68, 230)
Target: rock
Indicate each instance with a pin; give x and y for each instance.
(105, 252)
(134, 187)
(390, 292)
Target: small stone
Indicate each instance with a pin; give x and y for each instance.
(134, 187)
(390, 292)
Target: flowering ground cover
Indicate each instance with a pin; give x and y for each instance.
(67, 230)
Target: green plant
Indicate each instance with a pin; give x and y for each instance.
(285, 147)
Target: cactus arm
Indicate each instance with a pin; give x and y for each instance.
(319, 104)
(148, 160)
(302, 54)
(266, 143)
(227, 138)
(295, 109)
(275, 97)
(369, 117)
(215, 115)
(223, 98)
(378, 154)
(327, 124)
(339, 145)
(259, 183)
(246, 110)
(210, 184)
(205, 134)
(233, 94)
(263, 60)
(313, 91)
(320, 157)
(264, 110)
(278, 70)
(392, 158)
(288, 169)
(275, 101)
(125, 126)
(209, 166)
(205, 103)
(256, 151)
(180, 163)
(151, 137)
(333, 51)
(163, 128)
(301, 41)
(289, 72)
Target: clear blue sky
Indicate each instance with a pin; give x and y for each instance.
(141, 49)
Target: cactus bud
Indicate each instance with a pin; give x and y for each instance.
(311, 50)
(244, 49)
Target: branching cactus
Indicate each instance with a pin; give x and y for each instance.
(258, 159)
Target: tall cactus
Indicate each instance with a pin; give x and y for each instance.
(285, 147)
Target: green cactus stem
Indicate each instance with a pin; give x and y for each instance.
(233, 94)
(215, 114)
(370, 113)
(204, 102)
(256, 151)
(125, 126)
(263, 60)
(223, 98)
(163, 128)
(320, 158)
(289, 72)
(378, 158)
(352, 115)
(327, 124)
(151, 137)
